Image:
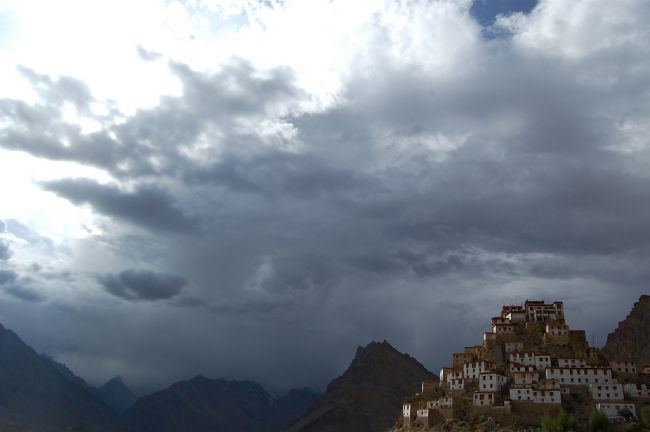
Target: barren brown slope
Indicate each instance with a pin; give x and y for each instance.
(368, 396)
(631, 339)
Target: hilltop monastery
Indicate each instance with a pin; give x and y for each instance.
(530, 362)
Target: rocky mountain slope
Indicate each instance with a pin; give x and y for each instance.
(35, 396)
(631, 339)
(115, 394)
(368, 396)
(65, 371)
(202, 405)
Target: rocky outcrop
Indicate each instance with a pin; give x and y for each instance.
(631, 339)
(368, 396)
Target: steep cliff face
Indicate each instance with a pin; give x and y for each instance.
(631, 339)
(368, 396)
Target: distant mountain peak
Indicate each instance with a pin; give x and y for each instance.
(200, 377)
(367, 396)
(116, 394)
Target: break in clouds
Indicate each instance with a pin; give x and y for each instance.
(247, 227)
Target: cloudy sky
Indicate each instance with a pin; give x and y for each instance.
(252, 189)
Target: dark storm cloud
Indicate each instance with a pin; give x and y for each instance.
(554, 206)
(142, 285)
(147, 206)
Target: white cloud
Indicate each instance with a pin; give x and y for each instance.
(579, 29)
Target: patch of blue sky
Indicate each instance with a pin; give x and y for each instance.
(485, 12)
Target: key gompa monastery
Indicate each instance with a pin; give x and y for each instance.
(530, 362)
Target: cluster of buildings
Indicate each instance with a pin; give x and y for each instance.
(530, 361)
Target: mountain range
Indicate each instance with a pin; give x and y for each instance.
(202, 405)
(37, 393)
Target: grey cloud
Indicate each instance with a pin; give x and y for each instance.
(376, 264)
(48, 273)
(24, 293)
(16, 287)
(235, 90)
(452, 263)
(24, 232)
(275, 174)
(7, 276)
(5, 250)
(147, 55)
(151, 141)
(96, 149)
(142, 285)
(39, 130)
(29, 117)
(147, 206)
(64, 89)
